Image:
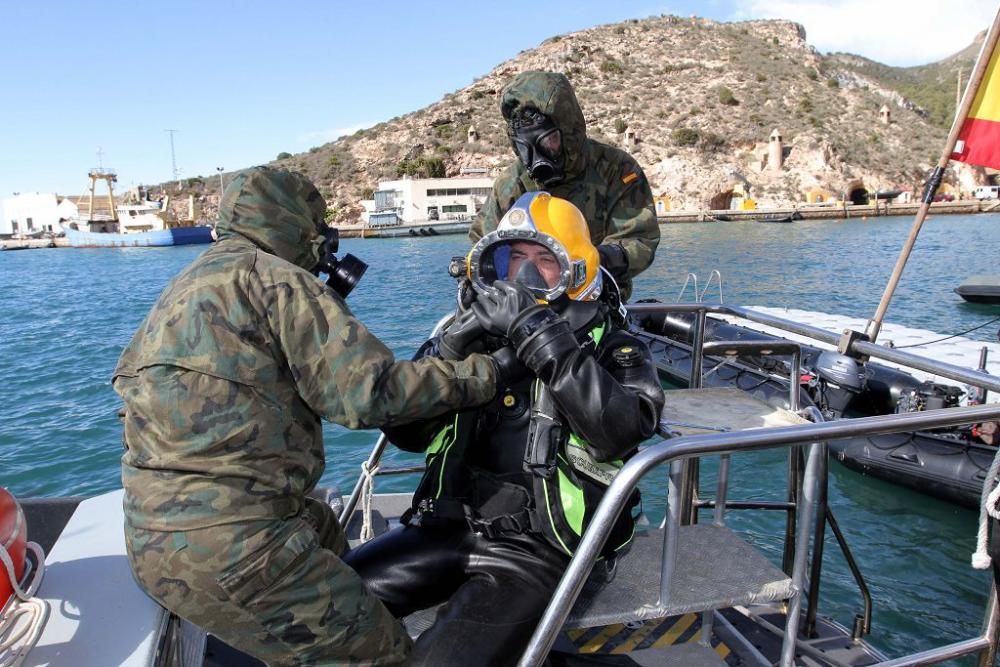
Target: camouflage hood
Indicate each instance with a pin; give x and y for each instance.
(552, 94)
(277, 210)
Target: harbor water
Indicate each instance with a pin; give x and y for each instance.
(65, 315)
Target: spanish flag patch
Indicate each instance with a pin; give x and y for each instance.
(630, 177)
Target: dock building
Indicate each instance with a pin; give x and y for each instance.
(412, 200)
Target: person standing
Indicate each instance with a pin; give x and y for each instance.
(549, 136)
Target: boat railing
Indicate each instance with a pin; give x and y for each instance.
(847, 343)
(676, 450)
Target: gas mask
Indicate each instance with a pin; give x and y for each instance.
(538, 144)
(342, 274)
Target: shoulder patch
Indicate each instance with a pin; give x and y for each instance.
(630, 177)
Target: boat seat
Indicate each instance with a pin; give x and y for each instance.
(700, 411)
(98, 616)
(715, 568)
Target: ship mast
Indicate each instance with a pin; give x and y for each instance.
(109, 177)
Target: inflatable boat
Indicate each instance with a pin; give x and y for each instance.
(949, 464)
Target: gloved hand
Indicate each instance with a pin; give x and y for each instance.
(505, 301)
(509, 368)
(463, 336)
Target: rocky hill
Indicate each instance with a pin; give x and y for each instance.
(702, 97)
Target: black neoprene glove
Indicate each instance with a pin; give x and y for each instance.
(509, 368)
(498, 307)
(614, 259)
(464, 335)
(542, 340)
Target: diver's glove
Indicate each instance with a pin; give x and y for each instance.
(509, 368)
(614, 259)
(542, 340)
(464, 335)
(497, 307)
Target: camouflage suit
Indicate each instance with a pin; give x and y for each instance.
(224, 384)
(604, 182)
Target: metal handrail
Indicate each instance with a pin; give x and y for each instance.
(687, 447)
(859, 346)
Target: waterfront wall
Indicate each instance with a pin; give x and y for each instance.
(836, 212)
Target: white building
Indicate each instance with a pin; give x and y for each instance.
(411, 200)
(31, 213)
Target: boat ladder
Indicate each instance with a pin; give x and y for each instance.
(692, 279)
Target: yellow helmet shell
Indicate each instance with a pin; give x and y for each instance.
(554, 223)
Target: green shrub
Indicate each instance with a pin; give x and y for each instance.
(832, 83)
(761, 77)
(685, 136)
(367, 193)
(314, 149)
(726, 97)
(612, 67)
(811, 74)
(619, 30)
(620, 126)
(774, 40)
(283, 155)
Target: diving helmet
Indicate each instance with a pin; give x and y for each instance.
(542, 243)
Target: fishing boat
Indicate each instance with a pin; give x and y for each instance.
(137, 223)
(980, 289)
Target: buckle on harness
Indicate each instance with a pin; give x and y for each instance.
(497, 526)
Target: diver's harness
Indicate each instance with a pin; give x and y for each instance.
(553, 457)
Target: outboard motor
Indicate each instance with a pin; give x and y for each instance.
(840, 379)
(929, 396)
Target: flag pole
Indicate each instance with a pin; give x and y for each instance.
(934, 182)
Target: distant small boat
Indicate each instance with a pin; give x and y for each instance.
(980, 289)
(887, 194)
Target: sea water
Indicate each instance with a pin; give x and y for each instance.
(65, 315)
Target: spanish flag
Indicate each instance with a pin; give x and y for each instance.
(979, 139)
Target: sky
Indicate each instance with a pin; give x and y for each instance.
(241, 81)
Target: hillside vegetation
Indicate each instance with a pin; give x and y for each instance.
(703, 97)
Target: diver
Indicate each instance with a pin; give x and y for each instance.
(510, 486)
(548, 133)
(224, 384)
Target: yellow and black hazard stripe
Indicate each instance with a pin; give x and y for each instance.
(623, 638)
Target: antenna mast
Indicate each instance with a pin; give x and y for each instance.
(173, 157)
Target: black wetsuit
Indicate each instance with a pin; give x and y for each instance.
(495, 584)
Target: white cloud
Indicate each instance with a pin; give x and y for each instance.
(324, 136)
(894, 32)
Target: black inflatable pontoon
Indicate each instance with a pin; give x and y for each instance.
(949, 464)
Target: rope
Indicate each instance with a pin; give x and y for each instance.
(367, 490)
(960, 333)
(23, 617)
(988, 506)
